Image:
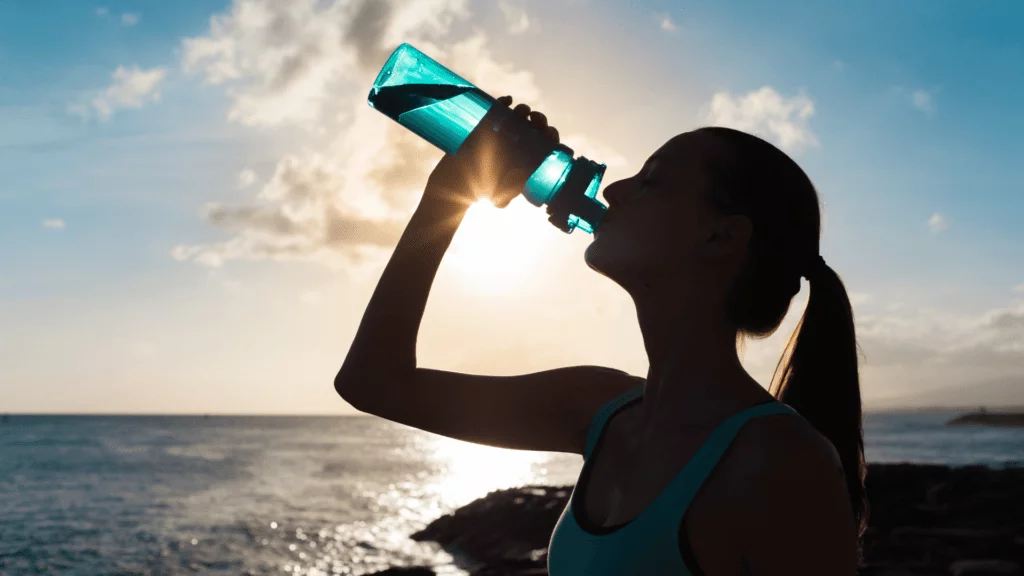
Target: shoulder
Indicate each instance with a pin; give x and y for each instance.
(785, 456)
(766, 442)
(791, 496)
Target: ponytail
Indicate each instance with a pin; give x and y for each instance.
(817, 376)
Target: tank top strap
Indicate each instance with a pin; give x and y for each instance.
(672, 503)
(600, 418)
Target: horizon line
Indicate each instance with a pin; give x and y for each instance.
(1009, 409)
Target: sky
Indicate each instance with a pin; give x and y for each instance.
(196, 200)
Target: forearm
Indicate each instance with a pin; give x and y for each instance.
(385, 343)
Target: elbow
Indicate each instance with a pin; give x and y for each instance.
(346, 382)
(362, 382)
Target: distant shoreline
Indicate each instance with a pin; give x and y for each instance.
(998, 419)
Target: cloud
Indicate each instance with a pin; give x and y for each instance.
(1019, 287)
(246, 178)
(54, 223)
(925, 349)
(923, 101)
(838, 65)
(347, 198)
(287, 62)
(131, 88)
(102, 11)
(857, 298)
(768, 114)
(937, 223)
(129, 19)
(516, 18)
(667, 23)
(916, 355)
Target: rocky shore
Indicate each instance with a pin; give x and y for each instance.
(925, 521)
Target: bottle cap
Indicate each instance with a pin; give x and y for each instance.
(575, 205)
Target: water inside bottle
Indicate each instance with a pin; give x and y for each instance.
(443, 114)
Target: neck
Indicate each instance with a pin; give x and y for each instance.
(695, 378)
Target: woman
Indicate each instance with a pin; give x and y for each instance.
(696, 469)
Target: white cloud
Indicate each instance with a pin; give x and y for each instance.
(101, 11)
(857, 298)
(54, 223)
(1019, 287)
(129, 19)
(131, 88)
(923, 101)
(937, 223)
(245, 178)
(925, 350)
(768, 114)
(288, 62)
(667, 23)
(516, 18)
(917, 356)
(349, 198)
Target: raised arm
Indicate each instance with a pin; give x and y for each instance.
(547, 410)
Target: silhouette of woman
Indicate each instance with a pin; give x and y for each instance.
(695, 469)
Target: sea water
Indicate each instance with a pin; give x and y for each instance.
(300, 495)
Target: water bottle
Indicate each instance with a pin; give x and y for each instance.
(443, 108)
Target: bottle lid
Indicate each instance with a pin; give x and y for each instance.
(575, 205)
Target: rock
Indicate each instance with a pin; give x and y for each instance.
(507, 529)
(984, 568)
(925, 520)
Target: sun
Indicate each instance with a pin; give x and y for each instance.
(497, 249)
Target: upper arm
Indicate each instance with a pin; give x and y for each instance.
(796, 514)
(544, 411)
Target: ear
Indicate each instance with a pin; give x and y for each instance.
(730, 235)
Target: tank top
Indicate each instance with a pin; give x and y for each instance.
(650, 543)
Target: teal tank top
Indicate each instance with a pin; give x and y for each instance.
(649, 544)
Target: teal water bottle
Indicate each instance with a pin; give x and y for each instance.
(443, 108)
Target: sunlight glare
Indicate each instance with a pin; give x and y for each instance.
(497, 249)
(473, 470)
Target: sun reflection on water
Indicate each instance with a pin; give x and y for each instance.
(453, 474)
(470, 471)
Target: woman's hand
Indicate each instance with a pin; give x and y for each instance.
(469, 175)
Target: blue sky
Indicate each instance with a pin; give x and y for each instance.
(121, 290)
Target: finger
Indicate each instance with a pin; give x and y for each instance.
(552, 133)
(504, 100)
(539, 119)
(522, 109)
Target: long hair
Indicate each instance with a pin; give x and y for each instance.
(817, 374)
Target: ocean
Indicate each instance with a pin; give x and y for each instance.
(299, 495)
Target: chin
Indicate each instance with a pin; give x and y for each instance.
(599, 260)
